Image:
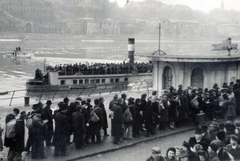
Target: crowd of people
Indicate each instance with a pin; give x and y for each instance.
(102, 68)
(87, 122)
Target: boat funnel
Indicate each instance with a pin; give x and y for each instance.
(131, 49)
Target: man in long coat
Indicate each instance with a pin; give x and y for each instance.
(11, 142)
(78, 125)
(111, 108)
(105, 121)
(96, 126)
(62, 130)
(38, 132)
(47, 114)
(20, 133)
(117, 121)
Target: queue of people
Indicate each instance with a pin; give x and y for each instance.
(87, 123)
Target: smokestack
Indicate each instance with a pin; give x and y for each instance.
(131, 49)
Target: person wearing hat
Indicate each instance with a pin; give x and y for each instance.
(198, 139)
(111, 106)
(10, 142)
(117, 121)
(213, 149)
(79, 128)
(30, 133)
(48, 115)
(105, 121)
(234, 148)
(62, 131)
(38, 132)
(66, 101)
(20, 135)
(156, 155)
(96, 126)
(206, 134)
(213, 129)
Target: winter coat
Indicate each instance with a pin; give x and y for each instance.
(62, 129)
(78, 124)
(117, 120)
(20, 131)
(105, 121)
(9, 142)
(96, 126)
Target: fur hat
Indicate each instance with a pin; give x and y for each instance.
(16, 110)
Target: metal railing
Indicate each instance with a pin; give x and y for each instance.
(87, 91)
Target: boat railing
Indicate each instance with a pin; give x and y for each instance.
(16, 95)
(93, 72)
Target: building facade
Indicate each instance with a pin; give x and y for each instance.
(200, 71)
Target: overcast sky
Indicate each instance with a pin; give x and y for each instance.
(201, 5)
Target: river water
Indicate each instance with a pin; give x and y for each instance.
(15, 72)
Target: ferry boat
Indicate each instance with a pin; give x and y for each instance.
(95, 77)
(19, 54)
(61, 81)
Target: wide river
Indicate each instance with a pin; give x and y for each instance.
(15, 72)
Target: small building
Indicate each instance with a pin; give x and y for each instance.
(195, 70)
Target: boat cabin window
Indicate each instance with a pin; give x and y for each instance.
(125, 79)
(97, 80)
(116, 80)
(86, 81)
(62, 82)
(111, 80)
(92, 81)
(74, 81)
(80, 81)
(103, 80)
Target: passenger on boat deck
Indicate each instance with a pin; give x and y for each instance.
(103, 68)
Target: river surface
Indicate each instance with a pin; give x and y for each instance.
(15, 72)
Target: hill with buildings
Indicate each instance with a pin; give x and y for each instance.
(102, 18)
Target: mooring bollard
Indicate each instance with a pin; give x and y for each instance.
(26, 101)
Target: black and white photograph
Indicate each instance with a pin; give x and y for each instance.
(120, 80)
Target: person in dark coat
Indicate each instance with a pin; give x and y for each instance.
(172, 111)
(183, 108)
(198, 139)
(78, 125)
(62, 130)
(105, 121)
(149, 118)
(20, 133)
(117, 121)
(127, 134)
(47, 115)
(143, 108)
(96, 126)
(11, 142)
(137, 118)
(38, 132)
(111, 108)
(89, 108)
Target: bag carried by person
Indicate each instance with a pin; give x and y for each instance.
(194, 103)
(11, 128)
(127, 116)
(29, 122)
(93, 116)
